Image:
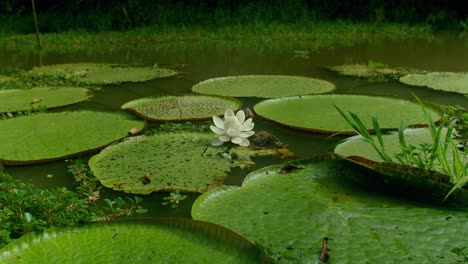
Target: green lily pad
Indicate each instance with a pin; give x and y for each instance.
(355, 146)
(52, 136)
(183, 161)
(317, 112)
(363, 70)
(358, 151)
(265, 86)
(444, 81)
(290, 211)
(178, 161)
(15, 100)
(181, 107)
(163, 241)
(102, 73)
(372, 70)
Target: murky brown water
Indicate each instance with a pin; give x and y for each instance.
(200, 61)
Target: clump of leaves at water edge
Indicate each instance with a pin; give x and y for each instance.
(174, 199)
(424, 156)
(460, 115)
(25, 208)
(21, 80)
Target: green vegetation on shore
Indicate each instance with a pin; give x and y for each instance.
(316, 34)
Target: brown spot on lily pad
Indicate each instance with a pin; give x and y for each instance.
(288, 169)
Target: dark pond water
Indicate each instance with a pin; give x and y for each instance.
(200, 61)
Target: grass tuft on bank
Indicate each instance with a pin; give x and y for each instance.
(316, 34)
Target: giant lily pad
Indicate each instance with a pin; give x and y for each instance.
(51, 136)
(181, 107)
(49, 97)
(183, 161)
(318, 114)
(372, 70)
(178, 161)
(174, 241)
(290, 211)
(444, 81)
(359, 151)
(266, 86)
(356, 146)
(103, 73)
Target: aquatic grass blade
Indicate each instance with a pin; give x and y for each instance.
(378, 132)
(363, 129)
(348, 120)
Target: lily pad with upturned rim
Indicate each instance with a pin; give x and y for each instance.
(53, 136)
(317, 113)
(103, 73)
(443, 81)
(289, 212)
(356, 146)
(186, 107)
(156, 241)
(265, 86)
(172, 161)
(14, 100)
(360, 152)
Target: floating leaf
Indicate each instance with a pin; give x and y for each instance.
(161, 241)
(52, 136)
(266, 86)
(444, 81)
(363, 70)
(290, 214)
(318, 114)
(372, 70)
(15, 100)
(184, 161)
(360, 152)
(178, 161)
(181, 107)
(355, 146)
(102, 73)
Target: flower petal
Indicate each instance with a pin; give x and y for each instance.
(217, 130)
(233, 132)
(228, 113)
(246, 134)
(224, 138)
(218, 122)
(240, 116)
(240, 141)
(232, 124)
(247, 125)
(216, 142)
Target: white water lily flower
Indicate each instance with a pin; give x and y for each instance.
(233, 128)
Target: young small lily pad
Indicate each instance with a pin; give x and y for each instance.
(265, 86)
(52, 136)
(102, 73)
(443, 81)
(15, 100)
(317, 113)
(186, 107)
